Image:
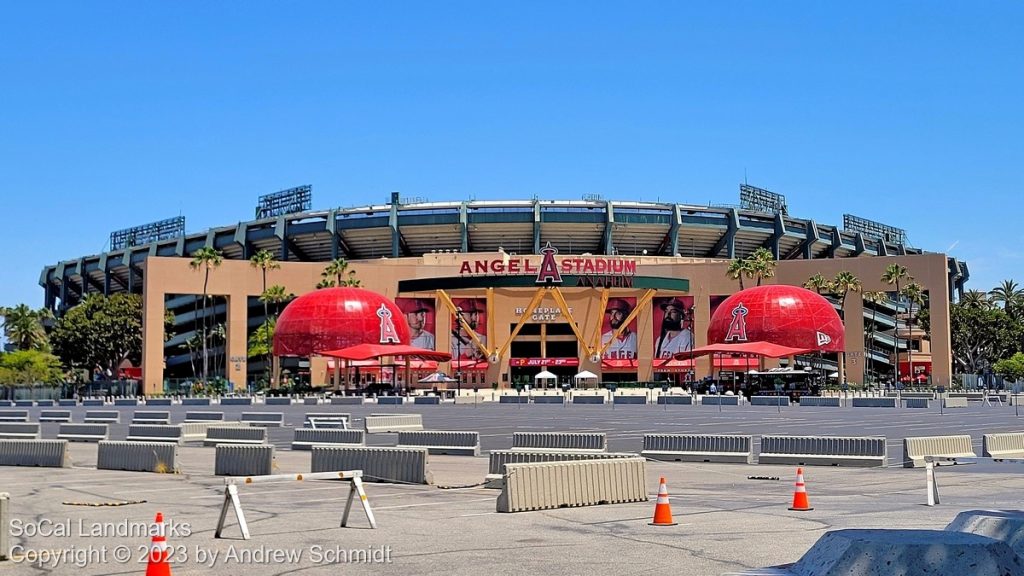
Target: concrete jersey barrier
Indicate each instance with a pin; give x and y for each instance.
(216, 435)
(629, 399)
(159, 457)
(196, 431)
(405, 465)
(102, 417)
(587, 399)
(347, 401)
(578, 441)
(427, 400)
(720, 400)
(873, 402)
(955, 402)
(154, 433)
(916, 402)
(682, 399)
(306, 438)
(13, 415)
(510, 399)
(941, 448)
(195, 401)
(83, 432)
(151, 417)
(241, 460)
(378, 423)
(441, 442)
(277, 401)
(823, 450)
(698, 448)
(827, 401)
(44, 453)
(769, 400)
(549, 485)
(19, 430)
(544, 399)
(55, 416)
(1006, 445)
(497, 459)
(204, 417)
(236, 401)
(273, 419)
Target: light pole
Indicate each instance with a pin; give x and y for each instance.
(458, 353)
(693, 334)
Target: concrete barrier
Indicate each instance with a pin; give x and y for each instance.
(269, 419)
(55, 416)
(557, 399)
(24, 403)
(93, 402)
(19, 431)
(6, 403)
(865, 451)
(510, 399)
(826, 401)
(67, 403)
(44, 453)
(389, 400)
(1006, 445)
(873, 402)
(13, 415)
(709, 400)
(195, 401)
(427, 400)
(311, 401)
(102, 417)
(346, 401)
(497, 459)
(48, 403)
(83, 432)
(547, 441)
(378, 423)
(698, 448)
(587, 399)
(629, 399)
(440, 442)
(925, 395)
(236, 401)
(769, 400)
(158, 402)
(954, 402)
(685, 400)
(154, 433)
(196, 431)
(404, 465)
(240, 460)
(5, 519)
(940, 448)
(916, 402)
(157, 457)
(306, 438)
(151, 417)
(548, 485)
(216, 435)
(126, 402)
(1003, 525)
(475, 399)
(277, 401)
(204, 417)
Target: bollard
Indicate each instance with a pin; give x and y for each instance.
(5, 525)
(930, 485)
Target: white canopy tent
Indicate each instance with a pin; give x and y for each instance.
(545, 375)
(585, 377)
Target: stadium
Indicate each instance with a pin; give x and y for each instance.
(615, 288)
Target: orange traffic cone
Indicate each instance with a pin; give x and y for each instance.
(662, 510)
(800, 502)
(158, 553)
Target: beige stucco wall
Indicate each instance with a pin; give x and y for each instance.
(237, 280)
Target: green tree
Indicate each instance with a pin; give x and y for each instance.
(762, 264)
(914, 294)
(981, 335)
(819, 284)
(1010, 295)
(261, 341)
(894, 275)
(100, 331)
(264, 260)
(976, 299)
(337, 274)
(30, 367)
(1011, 368)
(738, 269)
(23, 327)
(844, 283)
(205, 259)
(875, 298)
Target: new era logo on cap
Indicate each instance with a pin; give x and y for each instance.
(824, 339)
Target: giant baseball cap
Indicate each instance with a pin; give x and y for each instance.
(674, 303)
(618, 304)
(413, 305)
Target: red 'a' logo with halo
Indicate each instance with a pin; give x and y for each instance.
(738, 325)
(548, 273)
(388, 334)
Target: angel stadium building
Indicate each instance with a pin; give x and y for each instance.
(621, 289)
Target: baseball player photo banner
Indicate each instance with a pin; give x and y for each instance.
(420, 314)
(623, 346)
(474, 312)
(673, 325)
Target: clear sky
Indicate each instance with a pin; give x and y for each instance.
(114, 114)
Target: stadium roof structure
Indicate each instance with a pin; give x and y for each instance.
(395, 230)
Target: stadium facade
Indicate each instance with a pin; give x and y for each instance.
(514, 287)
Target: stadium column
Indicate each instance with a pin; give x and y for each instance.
(153, 298)
(238, 312)
(853, 322)
(934, 280)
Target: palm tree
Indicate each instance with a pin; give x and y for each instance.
(338, 274)
(915, 295)
(977, 299)
(893, 275)
(762, 264)
(206, 258)
(819, 284)
(265, 261)
(844, 283)
(1009, 294)
(23, 327)
(875, 298)
(739, 268)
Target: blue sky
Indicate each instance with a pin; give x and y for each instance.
(114, 114)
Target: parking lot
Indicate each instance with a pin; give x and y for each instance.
(727, 522)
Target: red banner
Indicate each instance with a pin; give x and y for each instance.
(521, 362)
